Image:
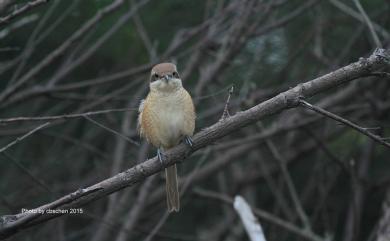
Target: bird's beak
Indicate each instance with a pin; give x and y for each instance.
(167, 78)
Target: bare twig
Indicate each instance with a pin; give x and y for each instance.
(95, 46)
(344, 8)
(31, 44)
(112, 131)
(18, 24)
(144, 36)
(360, 129)
(26, 171)
(139, 205)
(290, 184)
(66, 116)
(369, 24)
(226, 113)
(156, 228)
(19, 139)
(62, 48)
(380, 74)
(28, 6)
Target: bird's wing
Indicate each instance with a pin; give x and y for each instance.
(139, 124)
(141, 106)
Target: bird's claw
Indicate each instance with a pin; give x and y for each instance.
(160, 156)
(188, 140)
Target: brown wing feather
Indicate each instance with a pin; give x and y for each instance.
(189, 114)
(148, 121)
(139, 122)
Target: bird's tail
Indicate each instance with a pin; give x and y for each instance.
(172, 188)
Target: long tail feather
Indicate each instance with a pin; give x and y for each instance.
(172, 189)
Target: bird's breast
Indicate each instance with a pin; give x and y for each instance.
(169, 114)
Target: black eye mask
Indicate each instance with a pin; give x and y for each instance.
(154, 77)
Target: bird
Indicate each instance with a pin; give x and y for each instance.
(167, 117)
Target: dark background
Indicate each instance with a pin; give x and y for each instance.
(59, 58)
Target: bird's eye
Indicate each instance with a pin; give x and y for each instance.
(154, 77)
(175, 74)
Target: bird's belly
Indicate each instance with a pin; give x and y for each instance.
(170, 125)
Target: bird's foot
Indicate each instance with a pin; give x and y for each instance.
(160, 156)
(188, 140)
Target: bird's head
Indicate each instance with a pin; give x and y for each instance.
(164, 77)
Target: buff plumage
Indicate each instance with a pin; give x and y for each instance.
(167, 115)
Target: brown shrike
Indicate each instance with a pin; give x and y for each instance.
(166, 117)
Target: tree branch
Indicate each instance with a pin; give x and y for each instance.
(28, 6)
(19, 139)
(65, 116)
(285, 100)
(251, 225)
(360, 129)
(369, 24)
